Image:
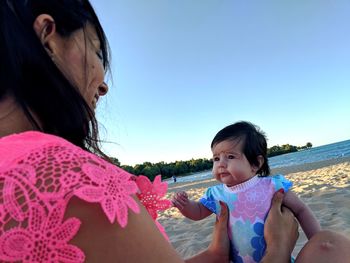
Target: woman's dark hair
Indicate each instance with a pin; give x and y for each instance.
(28, 74)
(254, 142)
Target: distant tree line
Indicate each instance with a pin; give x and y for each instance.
(286, 148)
(167, 170)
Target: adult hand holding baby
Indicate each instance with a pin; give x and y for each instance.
(280, 231)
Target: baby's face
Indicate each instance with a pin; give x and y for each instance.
(231, 167)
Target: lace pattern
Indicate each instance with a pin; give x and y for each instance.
(39, 173)
(152, 197)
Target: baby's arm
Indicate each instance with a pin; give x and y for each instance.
(190, 209)
(303, 213)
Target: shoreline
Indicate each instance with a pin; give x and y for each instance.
(286, 170)
(324, 186)
(308, 166)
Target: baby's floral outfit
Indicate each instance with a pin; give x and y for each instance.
(248, 205)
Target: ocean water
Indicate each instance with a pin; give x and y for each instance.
(315, 154)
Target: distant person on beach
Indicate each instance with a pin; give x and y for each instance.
(240, 163)
(174, 178)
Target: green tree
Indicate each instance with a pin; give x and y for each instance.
(181, 167)
(115, 161)
(308, 145)
(128, 168)
(151, 171)
(138, 169)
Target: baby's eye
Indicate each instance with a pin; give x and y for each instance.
(216, 159)
(231, 156)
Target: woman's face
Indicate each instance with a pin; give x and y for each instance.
(80, 60)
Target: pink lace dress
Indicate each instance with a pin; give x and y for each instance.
(39, 174)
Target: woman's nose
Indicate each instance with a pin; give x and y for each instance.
(103, 89)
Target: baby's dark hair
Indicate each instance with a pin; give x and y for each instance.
(254, 143)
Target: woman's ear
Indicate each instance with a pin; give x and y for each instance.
(45, 28)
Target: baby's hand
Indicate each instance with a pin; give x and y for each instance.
(180, 200)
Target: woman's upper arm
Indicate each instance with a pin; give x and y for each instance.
(101, 241)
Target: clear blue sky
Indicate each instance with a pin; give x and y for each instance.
(184, 69)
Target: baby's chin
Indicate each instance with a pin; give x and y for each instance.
(228, 182)
(227, 179)
(231, 181)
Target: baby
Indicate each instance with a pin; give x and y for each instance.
(240, 164)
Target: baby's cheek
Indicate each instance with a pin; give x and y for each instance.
(240, 173)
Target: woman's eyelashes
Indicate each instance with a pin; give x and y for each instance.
(99, 55)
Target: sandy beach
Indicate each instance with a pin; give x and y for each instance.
(323, 186)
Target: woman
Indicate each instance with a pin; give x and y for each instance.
(59, 201)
